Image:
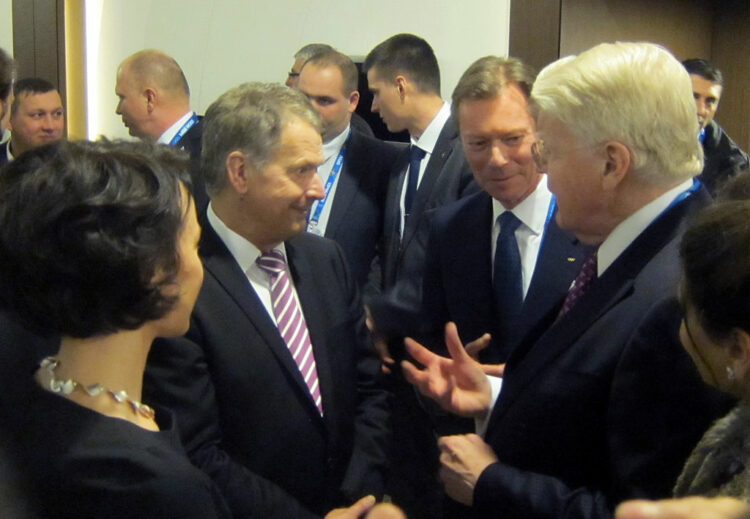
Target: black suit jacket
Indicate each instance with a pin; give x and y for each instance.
(356, 218)
(722, 158)
(605, 405)
(447, 177)
(458, 276)
(192, 142)
(246, 415)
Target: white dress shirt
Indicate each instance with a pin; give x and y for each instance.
(245, 254)
(168, 135)
(533, 212)
(426, 142)
(331, 151)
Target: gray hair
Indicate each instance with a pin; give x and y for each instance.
(635, 93)
(249, 118)
(310, 50)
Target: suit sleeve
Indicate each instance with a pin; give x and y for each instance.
(368, 465)
(658, 409)
(178, 378)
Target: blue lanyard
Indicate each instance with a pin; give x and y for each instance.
(682, 196)
(335, 170)
(185, 128)
(550, 215)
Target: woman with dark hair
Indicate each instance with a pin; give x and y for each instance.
(715, 331)
(98, 246)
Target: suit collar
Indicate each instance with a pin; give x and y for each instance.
(615, 285)
(219, 263)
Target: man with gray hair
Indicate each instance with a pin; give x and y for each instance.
(603, 404)
(276, 385)
(154, 103)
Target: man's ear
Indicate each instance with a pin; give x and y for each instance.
(617, 164)
(150, 95)
(353, 101)
(238, 171)
(403, 86)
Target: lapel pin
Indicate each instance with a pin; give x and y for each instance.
(571, 260)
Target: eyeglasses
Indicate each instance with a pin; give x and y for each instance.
(292, 74)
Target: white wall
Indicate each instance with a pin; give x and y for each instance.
(221, 43)
(6, 25)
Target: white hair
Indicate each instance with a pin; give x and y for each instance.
(634, 93)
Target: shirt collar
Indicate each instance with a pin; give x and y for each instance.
(333, 146)
(632, 226)
(243, 252)
(168, 135)
(532, 210)
(429, 138)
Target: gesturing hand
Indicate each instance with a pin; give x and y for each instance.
(458, 383)
(463, 458)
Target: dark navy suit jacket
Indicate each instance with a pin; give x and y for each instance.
(605, 405)
(356, 218)
(458, 276)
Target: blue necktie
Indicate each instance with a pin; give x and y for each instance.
(415, 159)
(506, 279)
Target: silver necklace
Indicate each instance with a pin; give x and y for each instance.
(66, 387)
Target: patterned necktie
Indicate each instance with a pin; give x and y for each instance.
(291, 321)
(506, 278)
(583, 280)
(416, 155)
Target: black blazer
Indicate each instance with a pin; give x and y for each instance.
(447, 177)
(605, 405)
(458, 275)
(246, 416)
(192, 142)
(356, 218)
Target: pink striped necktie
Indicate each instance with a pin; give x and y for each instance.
(291, 321)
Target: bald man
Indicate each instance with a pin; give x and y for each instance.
(154, 103)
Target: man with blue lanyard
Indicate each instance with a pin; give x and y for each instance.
(154, 103)
(496, 261)
(357, 168)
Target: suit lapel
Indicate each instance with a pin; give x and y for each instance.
(529, 358)
(557, 265)
(308, 291)
(346, 189)
(432, 173)
(220, 263)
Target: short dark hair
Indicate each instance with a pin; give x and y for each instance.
(715, 253)
(409, 55)
(85, 227)
(6, 74)
(703, 68)
(333, 58)
(29, 85)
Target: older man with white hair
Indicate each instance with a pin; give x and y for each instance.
(604, 405)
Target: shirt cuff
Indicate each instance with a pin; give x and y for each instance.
(480, 424)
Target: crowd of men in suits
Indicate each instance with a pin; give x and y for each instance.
(538, 215)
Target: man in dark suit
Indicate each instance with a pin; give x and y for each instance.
(37, 117)
(275, 386)
(404, 78)
(722, 157)
(357, 168)
(600, 403)
(154, 103)
(472, 276)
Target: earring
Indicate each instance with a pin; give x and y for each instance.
(730, 373)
